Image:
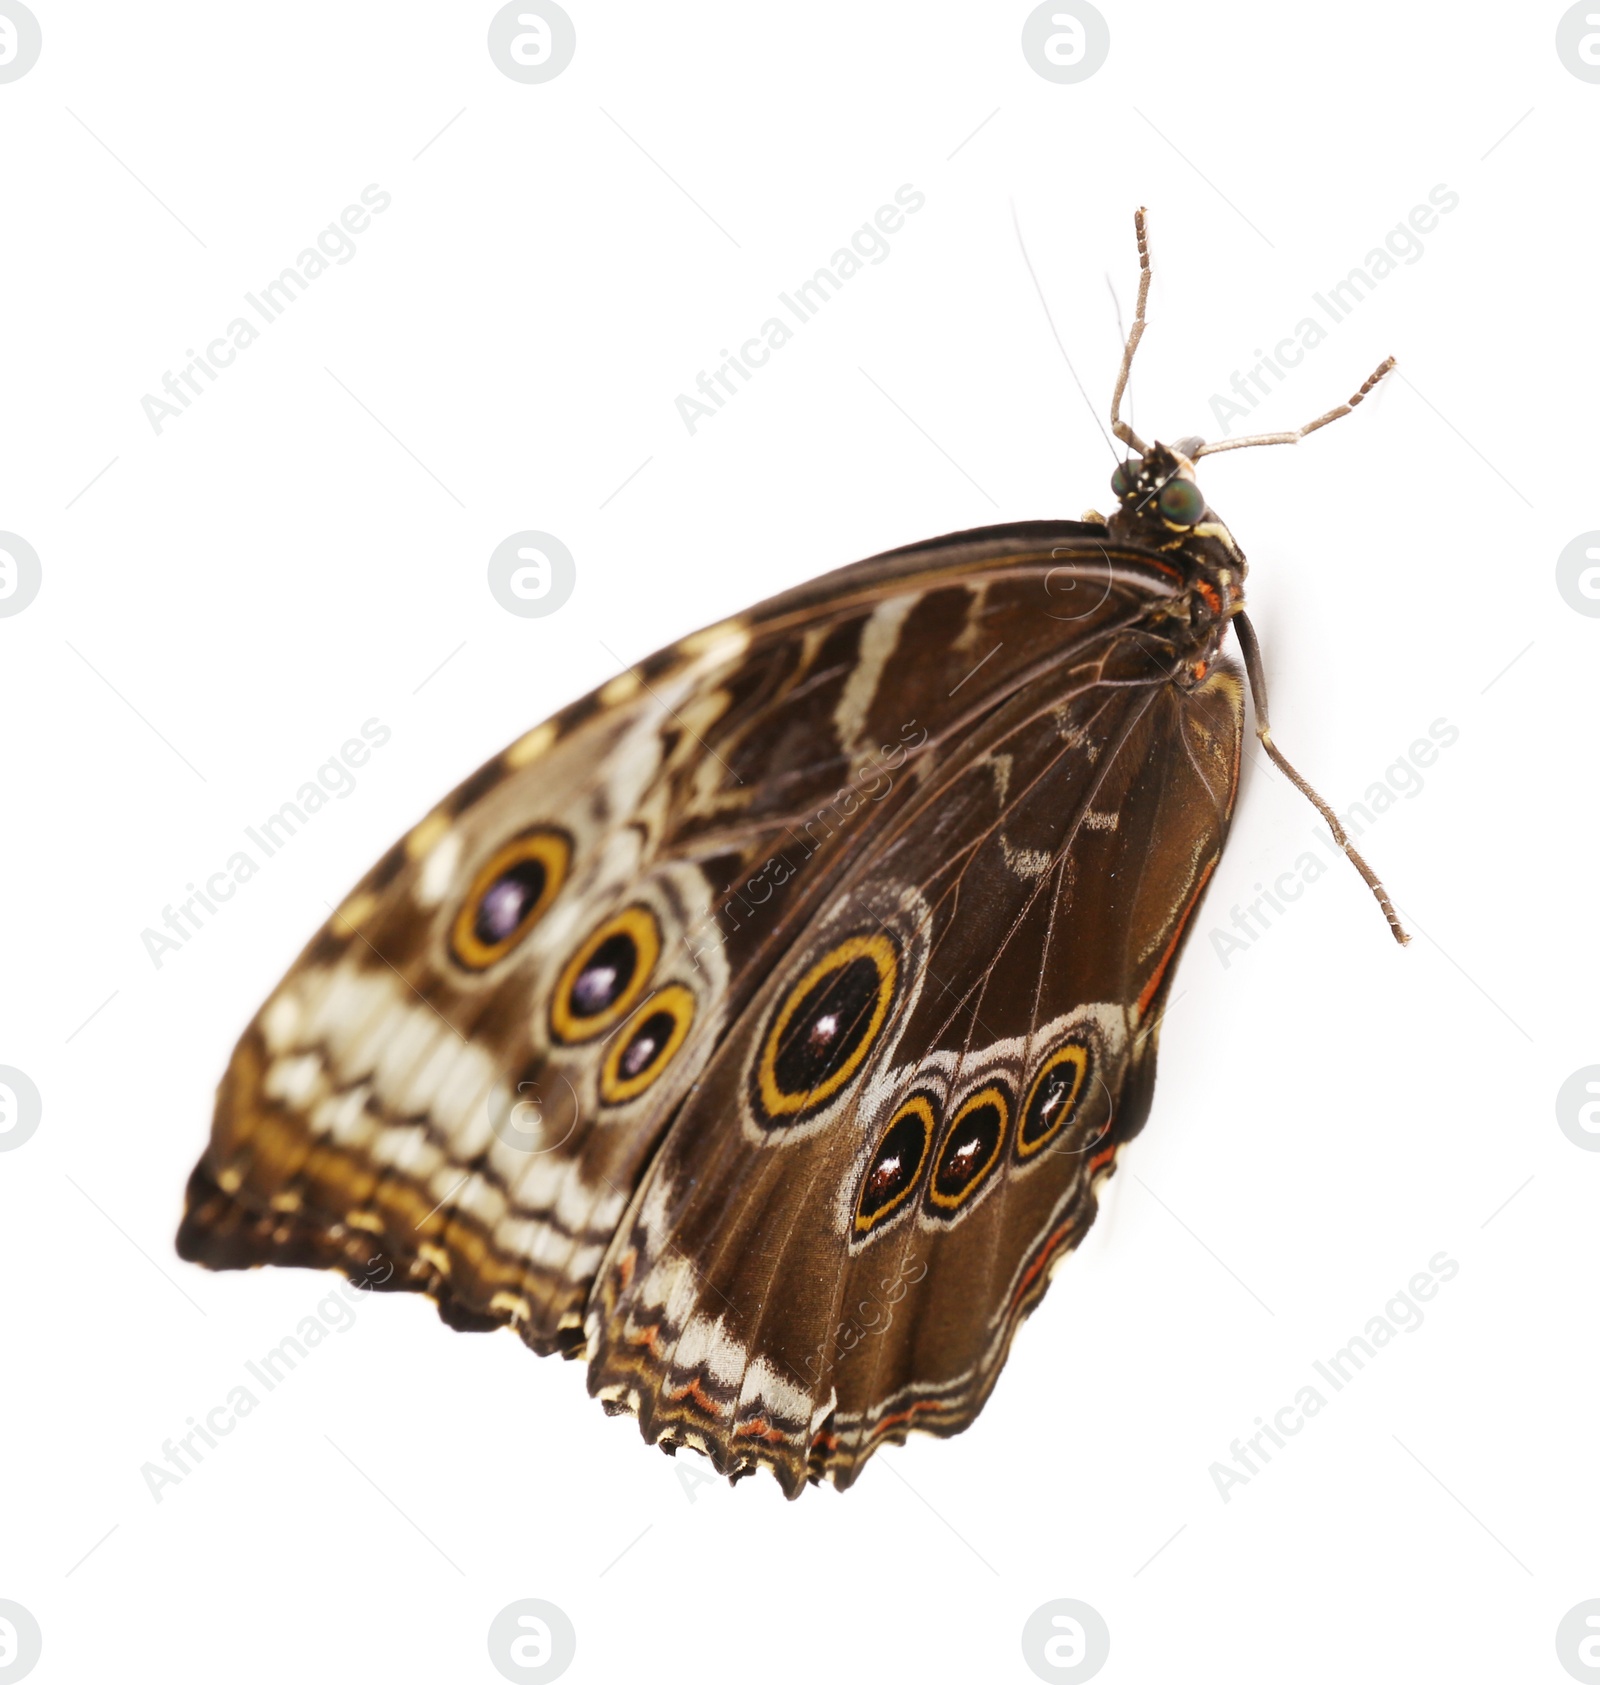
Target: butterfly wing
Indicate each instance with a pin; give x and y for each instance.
(405, 1099)
(808, 1270)
(524, 1043)
(409, 1093)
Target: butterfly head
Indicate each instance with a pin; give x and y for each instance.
(1161, 507)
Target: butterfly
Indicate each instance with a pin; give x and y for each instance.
(761, 1028)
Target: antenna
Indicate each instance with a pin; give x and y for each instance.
(1300, 432)
(1122, 332)
(1249, 645)
(1121, 428)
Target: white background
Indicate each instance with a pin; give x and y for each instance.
(275, 567)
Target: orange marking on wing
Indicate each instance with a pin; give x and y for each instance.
(758, 1427)
(646, 1337)
(697, 1394)
(1100, 1159)
(1147, 994)
(905, 1415)
(828, 1442)
(1043, 1258)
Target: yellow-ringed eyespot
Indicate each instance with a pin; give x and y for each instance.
(825, 1027)
(643, 1048)
(970, 1149)
(600, 984)
(1054, 1098)
(511, 891)
(897, 1163)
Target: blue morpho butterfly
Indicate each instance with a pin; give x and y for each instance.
(759, 1029)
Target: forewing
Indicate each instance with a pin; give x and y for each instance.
(405, 1092)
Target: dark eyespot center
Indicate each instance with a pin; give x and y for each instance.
(511, 890)
(1053, 1094)
(645, 1045)
(823, 1029)
(1049, 1103)
(1056, 1098)
(827, 1026)
(506, 902)
(895, 1165)
(605, 974)
(968, 1149)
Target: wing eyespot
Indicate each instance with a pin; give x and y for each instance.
(510, 893)
(600, 985)
(896, 1165)
(970, 1150)
(644, 1047)
(824, 1028)
(1054, 1098)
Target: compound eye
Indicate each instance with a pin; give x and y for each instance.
(1181, 503)
(1123, 478)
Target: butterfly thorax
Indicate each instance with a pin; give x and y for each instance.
(1161, 509)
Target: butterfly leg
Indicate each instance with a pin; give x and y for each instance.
(1251, 649)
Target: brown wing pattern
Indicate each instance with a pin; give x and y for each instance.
(523, 1062)
(798, 1292)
